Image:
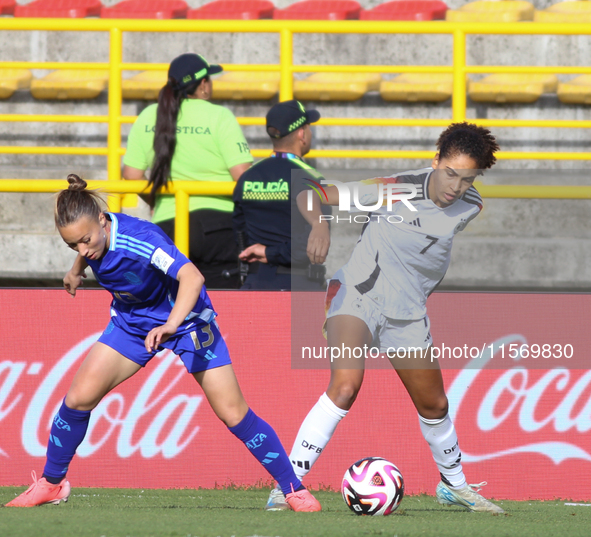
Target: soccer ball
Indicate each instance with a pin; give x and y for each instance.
(373, 486)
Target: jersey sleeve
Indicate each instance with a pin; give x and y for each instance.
(162, 255)
(473, 198)
(140, 142)
(368, 190)
(231, 142)
(168, 259)
(473, 216)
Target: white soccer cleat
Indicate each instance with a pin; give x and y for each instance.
(277, 501)
(466, 497)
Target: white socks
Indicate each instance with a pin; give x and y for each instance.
(322, 420)
(441, 436)
(315, 432)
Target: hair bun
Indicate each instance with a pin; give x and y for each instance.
(76, 183)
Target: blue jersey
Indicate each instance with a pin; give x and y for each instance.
(140, 270)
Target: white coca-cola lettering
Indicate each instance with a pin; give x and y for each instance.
(142, 405)
(113, 409)
(92, 444)
(34, 444)
(533, 395)
(11, 372)
(525, 399)
(142, 424)
(561, 417)
(487, 421)
(563, 414)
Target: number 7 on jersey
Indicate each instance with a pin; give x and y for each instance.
(433, 241)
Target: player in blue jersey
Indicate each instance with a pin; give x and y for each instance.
(380, 296)
(159, 301)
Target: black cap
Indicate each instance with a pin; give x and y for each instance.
(189, 68)
(288, 116)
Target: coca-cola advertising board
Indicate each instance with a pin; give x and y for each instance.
(523, 426)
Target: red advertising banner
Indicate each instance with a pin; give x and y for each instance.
(524, 430)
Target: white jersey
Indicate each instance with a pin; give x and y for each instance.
(398, 265)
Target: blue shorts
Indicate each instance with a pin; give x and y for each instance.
(202, 349)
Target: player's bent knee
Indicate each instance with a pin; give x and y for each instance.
(231, 417)
(343, 395)
(434, 409)
(77, 401)
(231, 421)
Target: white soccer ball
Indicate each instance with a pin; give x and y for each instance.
(373, 486)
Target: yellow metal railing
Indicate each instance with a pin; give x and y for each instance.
(286, 67)
(183, 189)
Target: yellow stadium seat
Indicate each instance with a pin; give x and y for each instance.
(336, 86)
(412, 87)
(575, 91)
(565, 12)
(236, 85)
(145, 86)
(492, 11)
(12, 80)
(512, 88)
(239, 85)
(70, 84)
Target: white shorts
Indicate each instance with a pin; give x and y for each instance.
(390, 335)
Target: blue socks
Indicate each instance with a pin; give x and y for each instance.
(69, 428)
(67, 432)
(263, 442)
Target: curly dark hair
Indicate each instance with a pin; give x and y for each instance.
(468, 139)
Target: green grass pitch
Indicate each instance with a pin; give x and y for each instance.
(239, 513)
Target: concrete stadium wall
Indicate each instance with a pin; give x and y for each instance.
(513, 244)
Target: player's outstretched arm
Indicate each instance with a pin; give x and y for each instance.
(73, 279)
(332, 195)
(319, 237)
(190, 283)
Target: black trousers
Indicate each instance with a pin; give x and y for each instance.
(212, 247)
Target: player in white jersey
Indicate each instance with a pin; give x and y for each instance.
(402, 255)
(381, 294)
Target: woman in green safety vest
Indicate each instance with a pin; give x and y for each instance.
(186, 138)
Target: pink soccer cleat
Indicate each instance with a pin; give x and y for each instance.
(303, 501)
(41, 492)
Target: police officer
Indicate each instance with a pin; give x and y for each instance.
(265, 201)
